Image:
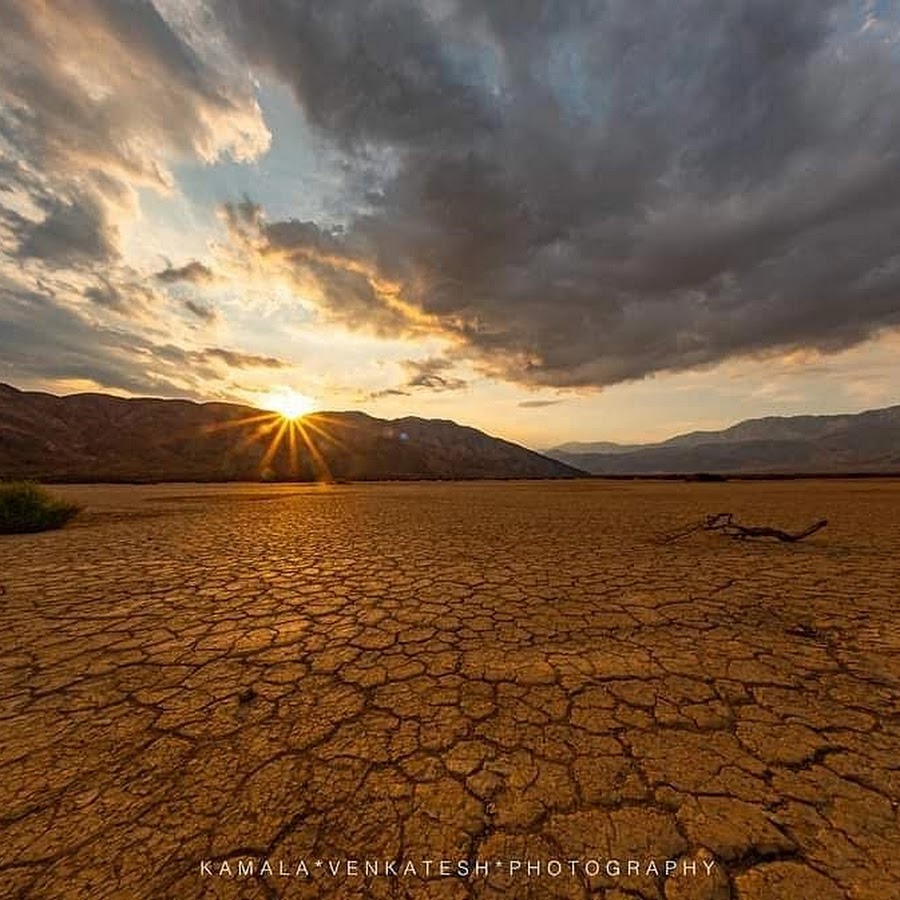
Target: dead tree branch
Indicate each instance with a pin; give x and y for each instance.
(725, 523)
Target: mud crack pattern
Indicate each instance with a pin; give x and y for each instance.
(460, 671)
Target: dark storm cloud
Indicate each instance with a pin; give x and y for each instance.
(363, 71)
(194, 272)
(585, 193)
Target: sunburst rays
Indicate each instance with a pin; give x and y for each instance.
(290, 438)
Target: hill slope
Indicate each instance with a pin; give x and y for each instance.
(95, 437)
(860, 442)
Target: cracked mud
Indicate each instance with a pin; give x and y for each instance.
(459, 671)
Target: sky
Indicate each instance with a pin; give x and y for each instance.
(554, 221)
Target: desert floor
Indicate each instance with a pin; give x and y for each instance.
(197, 679)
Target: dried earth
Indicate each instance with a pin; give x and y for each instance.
(198, 679)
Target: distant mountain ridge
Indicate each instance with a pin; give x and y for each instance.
(97, 437)
(595, 447)
(855, 442)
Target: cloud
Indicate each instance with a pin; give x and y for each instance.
(387, 392)
(432, 374)
(128, 299)
(237, 360)
(538, 404)
(582, 194)
(43, 338)
(73, 232)
(320, 262)
(110, 85)
(194, 272)
(363, 72)
(98, 98)
(48, 334)
(201, 311)
(568, 193)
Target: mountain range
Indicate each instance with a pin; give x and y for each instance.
(866, 442)
(96, 437)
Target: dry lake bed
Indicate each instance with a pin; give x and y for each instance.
(453, 691)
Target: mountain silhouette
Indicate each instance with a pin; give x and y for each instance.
(96, 437)
(859, 442)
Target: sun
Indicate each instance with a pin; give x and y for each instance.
(288, 403)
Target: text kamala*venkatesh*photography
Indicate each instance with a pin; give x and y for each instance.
(245, 867)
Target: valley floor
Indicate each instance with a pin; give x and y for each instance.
(261, 691)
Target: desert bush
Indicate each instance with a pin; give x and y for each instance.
(26, 507)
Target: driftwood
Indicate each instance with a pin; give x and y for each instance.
(725, 523)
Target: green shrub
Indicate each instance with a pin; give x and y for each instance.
(27, 507)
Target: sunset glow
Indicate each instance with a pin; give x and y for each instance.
(195, 207)
(288, 403)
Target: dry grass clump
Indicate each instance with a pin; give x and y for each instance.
(26, 507)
